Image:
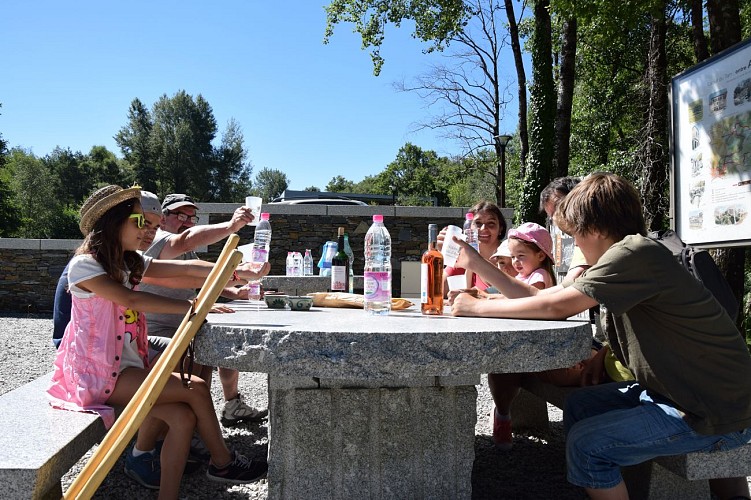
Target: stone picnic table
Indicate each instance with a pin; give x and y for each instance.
(378, 406)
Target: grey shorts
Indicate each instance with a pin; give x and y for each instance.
(156, 346)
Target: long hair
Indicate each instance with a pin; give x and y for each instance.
(103, 242)
(486, 206)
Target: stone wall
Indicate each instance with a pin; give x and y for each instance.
(29, 269)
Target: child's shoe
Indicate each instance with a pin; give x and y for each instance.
(145, 469)
(240, 470)
(502, 431)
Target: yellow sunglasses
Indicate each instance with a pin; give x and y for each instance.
(140, 220)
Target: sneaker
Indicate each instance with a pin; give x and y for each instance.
(240, 470)
(502, 431)
(144, 469)
(236, 411)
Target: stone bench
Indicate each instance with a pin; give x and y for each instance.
(39, 444)
(679, 476)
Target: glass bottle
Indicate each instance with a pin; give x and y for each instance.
(431, 276)
(340, 266)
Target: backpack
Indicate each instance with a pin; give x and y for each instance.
(701, 266)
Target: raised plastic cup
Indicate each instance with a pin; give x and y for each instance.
(254, 203)
(450, 249)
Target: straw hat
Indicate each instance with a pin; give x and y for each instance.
(102, 200)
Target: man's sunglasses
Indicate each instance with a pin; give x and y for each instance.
(185, 217)
(140, 220)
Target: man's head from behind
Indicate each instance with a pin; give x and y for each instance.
(604, 203)
(178, 213)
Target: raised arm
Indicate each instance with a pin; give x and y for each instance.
(206, 234)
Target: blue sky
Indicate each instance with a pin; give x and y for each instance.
(313, 111)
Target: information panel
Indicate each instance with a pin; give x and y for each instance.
(711, 143)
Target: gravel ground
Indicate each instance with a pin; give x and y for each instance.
(534, 469)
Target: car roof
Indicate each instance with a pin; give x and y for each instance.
(319, 201)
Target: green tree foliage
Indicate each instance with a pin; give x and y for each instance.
(231, 176)
(270, 183)
(313, 189)
(8, 212)
(134, 140)
(436, 21)
(339, 184)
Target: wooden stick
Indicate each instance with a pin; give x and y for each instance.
(115, 441)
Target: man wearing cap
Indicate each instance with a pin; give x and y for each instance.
(178, 238)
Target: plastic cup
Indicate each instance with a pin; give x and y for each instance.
(450, 249)
(254, 203)
(457, 281)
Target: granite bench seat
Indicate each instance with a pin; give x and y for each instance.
(673, 477)
(39, 444)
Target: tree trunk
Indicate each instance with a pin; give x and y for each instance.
(697, 30)
(724, 29)
(724, 24)
(565, 99)
(654, 152)
(542, 106)
(521, 79)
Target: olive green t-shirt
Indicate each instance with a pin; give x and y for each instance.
(669, 330)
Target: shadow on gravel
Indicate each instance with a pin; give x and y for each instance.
(535, 468)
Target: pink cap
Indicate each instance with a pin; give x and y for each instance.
(469, 216)
(378, 218)
(264, 216)
(534, 233)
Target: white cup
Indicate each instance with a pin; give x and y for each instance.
(254, 203)
(457, 281)
(450, 249)
(247, 251)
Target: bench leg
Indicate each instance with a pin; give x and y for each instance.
(652, 481)
(529, 412)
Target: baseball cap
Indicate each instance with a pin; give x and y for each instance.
(176, 200)
(534, 233)
(150, 203)
(502, 251)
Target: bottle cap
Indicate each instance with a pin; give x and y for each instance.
(264, 216)
(378, 218)
(469, 216)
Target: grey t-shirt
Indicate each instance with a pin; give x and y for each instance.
(165, 325)
(678, 341)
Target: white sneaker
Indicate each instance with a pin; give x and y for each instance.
(236, 411)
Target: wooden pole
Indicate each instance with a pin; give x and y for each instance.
(125, 427)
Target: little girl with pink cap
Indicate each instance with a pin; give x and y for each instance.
(531, 248)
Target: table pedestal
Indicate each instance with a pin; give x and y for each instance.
(404, 438)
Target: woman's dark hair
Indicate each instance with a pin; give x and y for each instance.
(486, 206)
(103, 242)
(559, 188)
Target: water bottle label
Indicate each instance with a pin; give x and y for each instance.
(259, 254)
(377, 286)
(254, 290)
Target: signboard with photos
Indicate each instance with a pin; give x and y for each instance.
(711, 150)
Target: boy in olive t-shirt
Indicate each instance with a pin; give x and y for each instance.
(693, 370)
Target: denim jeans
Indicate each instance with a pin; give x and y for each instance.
(612, 425)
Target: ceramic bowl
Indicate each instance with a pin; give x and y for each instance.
(300, 303)
(276, 300)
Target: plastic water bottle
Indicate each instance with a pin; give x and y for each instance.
(470, 232)
(261, 243)
(297, 264)
(288, 265)
(307, 263)
(377, 273)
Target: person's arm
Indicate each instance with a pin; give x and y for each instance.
(107, 288)
(206, 234)
(196, 271)
(560, 305)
